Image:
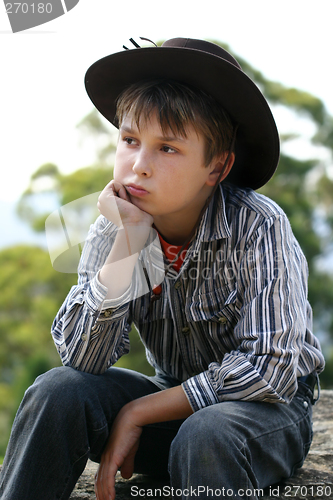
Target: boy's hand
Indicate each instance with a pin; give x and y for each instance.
(161, 406)
(115, 204)
(118, 454)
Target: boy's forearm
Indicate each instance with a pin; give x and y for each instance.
(116, 274)
(163, 406)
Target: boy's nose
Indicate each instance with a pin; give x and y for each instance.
(143, 164)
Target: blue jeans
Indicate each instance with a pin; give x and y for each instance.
(66, 415)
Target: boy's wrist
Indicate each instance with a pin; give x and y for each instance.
(146, 220)
(134, 237)
(170, 404)
(135, 410)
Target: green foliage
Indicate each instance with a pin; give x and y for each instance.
(277, 93)
(83, 182)
(326, 376)
(93, 126)
(289, 189)
(296, 99)
(46, 170)
(31, 295)
(50, 185)
(49, 189)
(325, 199)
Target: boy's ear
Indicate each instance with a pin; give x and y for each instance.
(216, 167)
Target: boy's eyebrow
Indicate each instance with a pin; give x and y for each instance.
(167, 138)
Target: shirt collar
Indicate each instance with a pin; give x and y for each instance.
(214, 224)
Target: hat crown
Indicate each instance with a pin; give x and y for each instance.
(203, 46)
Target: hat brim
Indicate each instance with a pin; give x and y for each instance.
(257, 144)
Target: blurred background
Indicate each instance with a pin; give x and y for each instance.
(55, 149)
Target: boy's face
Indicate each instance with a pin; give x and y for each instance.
(164, 175)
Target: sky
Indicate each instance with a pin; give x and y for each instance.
(42, 94)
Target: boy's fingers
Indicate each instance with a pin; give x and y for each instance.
(127, 468)
(110, 483)
(119, 190)
(122, 193)
(100, 484)
(115, 186)
(105, 481)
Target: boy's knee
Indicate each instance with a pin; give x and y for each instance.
(195, 434)
(55, 388)
(205, 432)
(57, 379)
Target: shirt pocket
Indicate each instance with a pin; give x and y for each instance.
(218, 306)
(212, 317)
(146, 312)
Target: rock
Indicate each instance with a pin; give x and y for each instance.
(313, 481)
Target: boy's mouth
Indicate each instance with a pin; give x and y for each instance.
(136, 190)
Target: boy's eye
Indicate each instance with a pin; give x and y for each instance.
(130, 140)
(168, 149)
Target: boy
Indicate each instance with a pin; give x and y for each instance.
(222, 311)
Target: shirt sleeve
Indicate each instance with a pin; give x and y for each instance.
(274, 316)
(89, 332)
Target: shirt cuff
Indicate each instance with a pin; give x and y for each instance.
(200, 392)
(118, 301)
(97, 292)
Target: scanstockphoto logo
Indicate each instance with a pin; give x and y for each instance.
(67, 229)
(25, 15)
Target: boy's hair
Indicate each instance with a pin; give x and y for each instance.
(178, 106)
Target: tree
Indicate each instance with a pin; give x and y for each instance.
(31, 294)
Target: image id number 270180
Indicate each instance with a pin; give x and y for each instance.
(25, 8)
(306, 491)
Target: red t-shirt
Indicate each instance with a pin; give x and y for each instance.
(171, 251)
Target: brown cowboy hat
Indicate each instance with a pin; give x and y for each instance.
(209, 67)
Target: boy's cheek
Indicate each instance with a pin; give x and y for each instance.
(118, 157)
(122, 164)
(117, 175)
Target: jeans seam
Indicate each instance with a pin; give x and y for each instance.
(99, 429)
(71, 471)
(301, 419)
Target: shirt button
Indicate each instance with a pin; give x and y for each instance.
(107, 313)
(186, 330)
(84, 337)
(223, 320)
(305, 404)
(177, 285)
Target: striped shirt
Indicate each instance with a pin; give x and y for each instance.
(233, 324)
